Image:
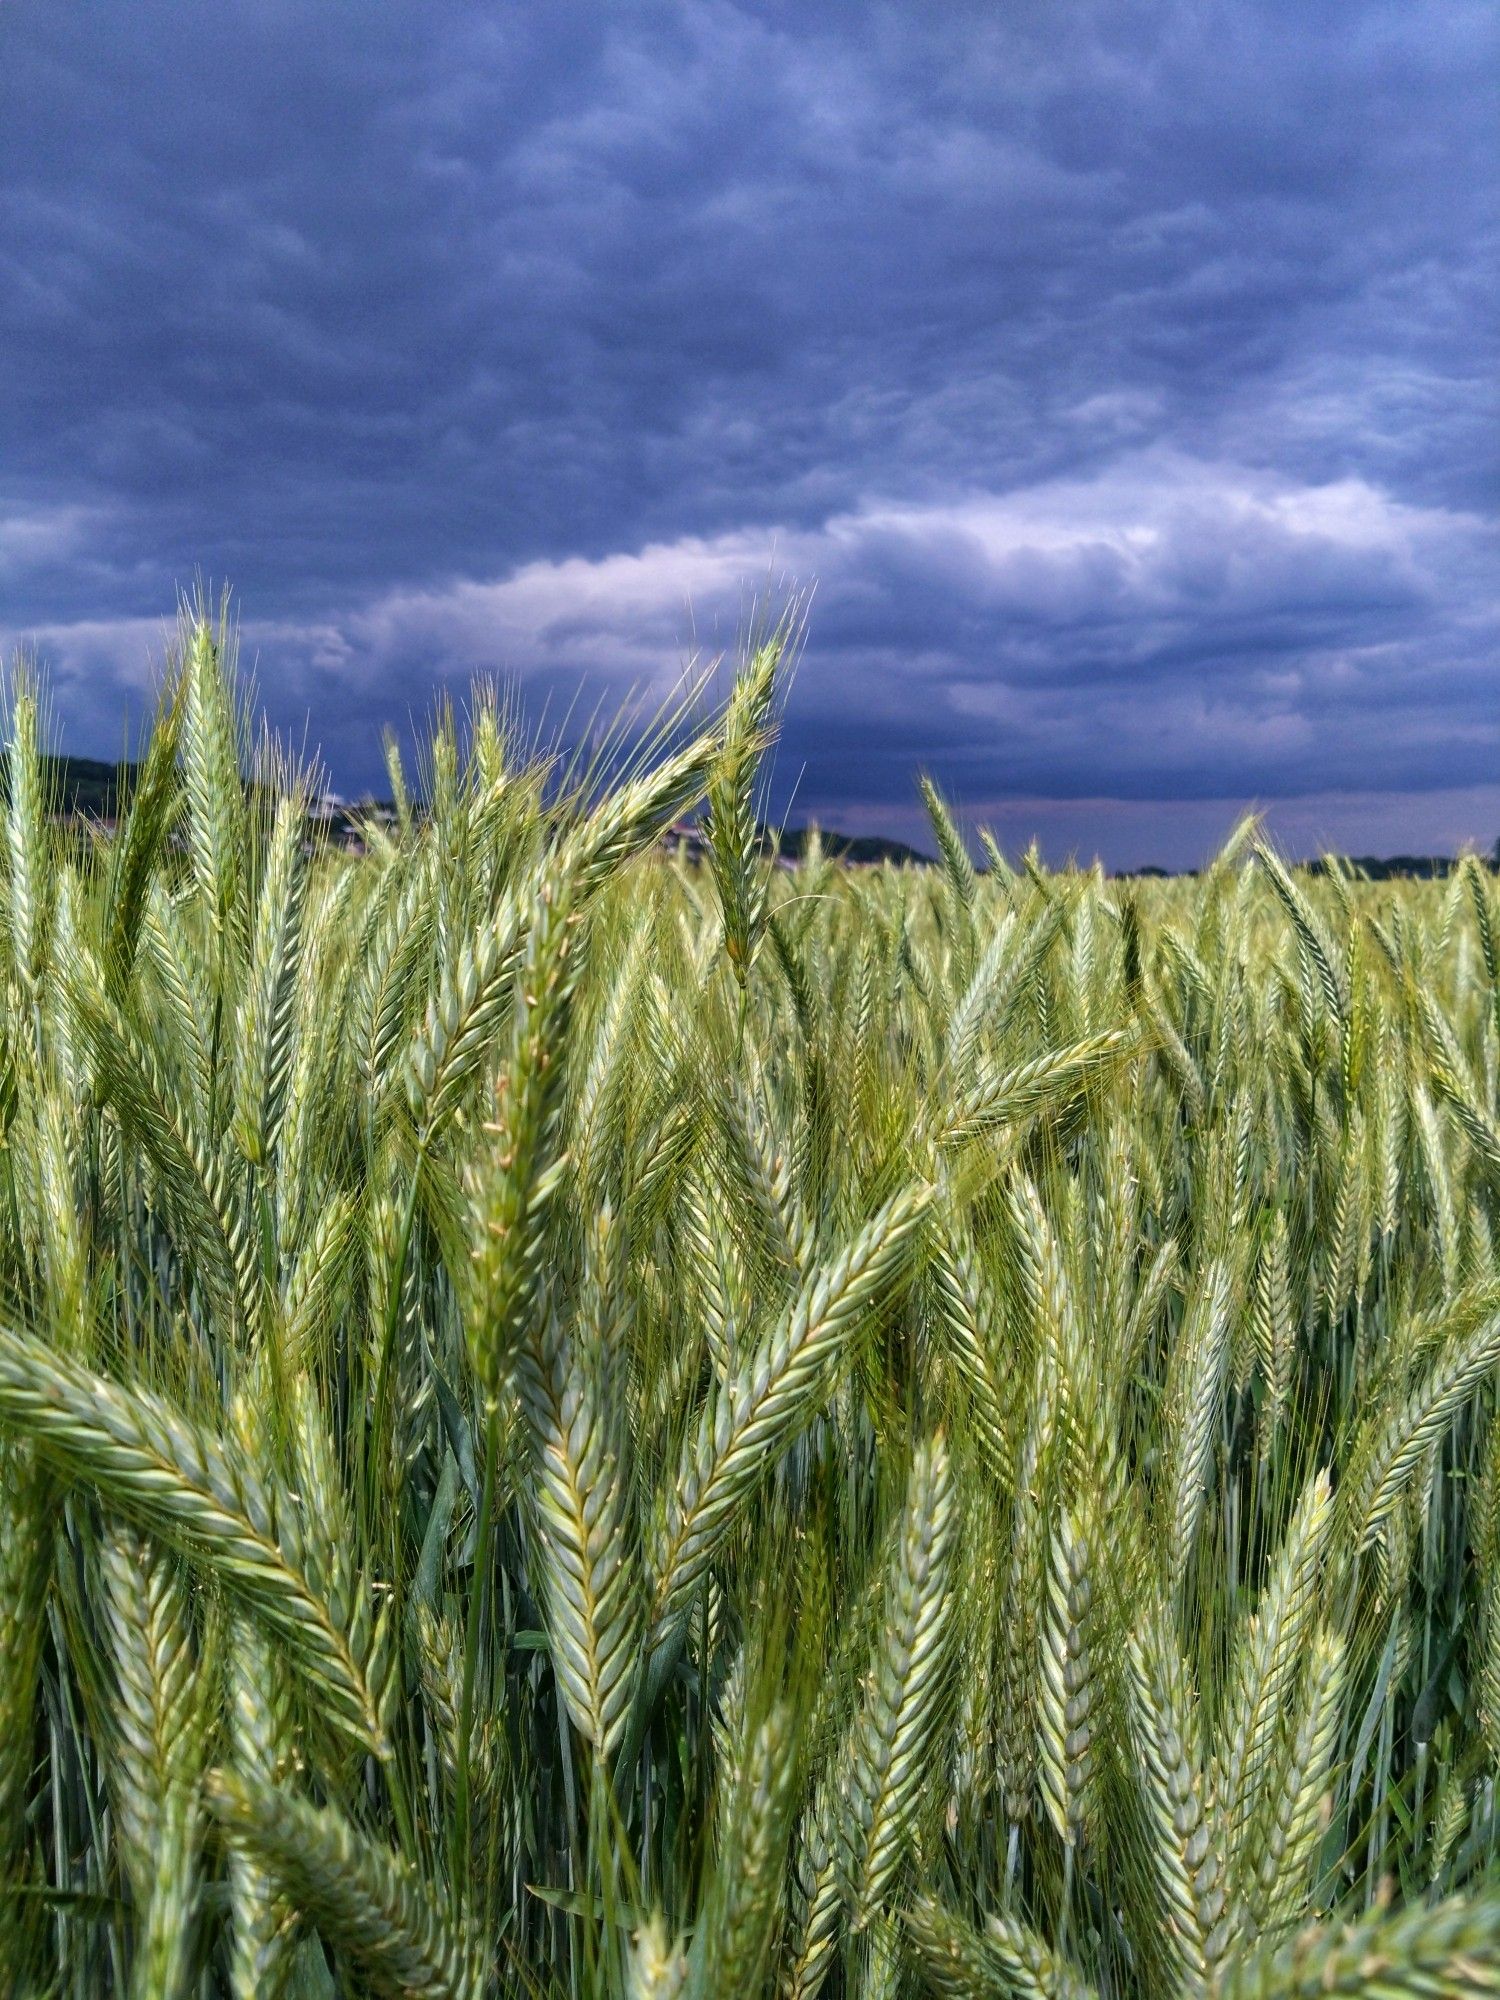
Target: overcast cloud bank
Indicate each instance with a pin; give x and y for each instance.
(1122, 378)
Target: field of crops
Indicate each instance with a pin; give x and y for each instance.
(574, 1422)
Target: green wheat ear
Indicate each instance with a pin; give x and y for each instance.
(363, 1899)
(910, 1686)
(771, 1396)
(587, 1526)
(1393, 1439)
(160, 1713)
(1069, 1689)
(959, 1962)
(1183, 1839)
(263, 1739)
(730, 828)
(1446, 1951)
(1270, 1657)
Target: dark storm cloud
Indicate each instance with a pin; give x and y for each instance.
(1119, 372)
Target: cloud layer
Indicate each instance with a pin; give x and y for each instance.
(1120, 376)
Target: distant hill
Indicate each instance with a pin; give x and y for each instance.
(858, 847)
(81, 784)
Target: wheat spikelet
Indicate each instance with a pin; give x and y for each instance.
(635, 813)
(1151, 1294)
(594, 1604)
(1487, 1565)
(1387, 1166)
(720, 1281)
(1068, 1695)
(1314, 940)
(53, 1168)
(1045, 1085)
(1186, 1862)
(909, 1687)
(216, 825)
(1070, 1377)
(267, 1014)
(729, 824)
(951, 1956)
(1269, 1660)
(959, 881)
(1111, 1238)
(263, 1740)
(1195, 1393)
(734, 1945)
(1455, 1085)
(157, 1714)
(159, 1725)
(769, 1397)
(515, 1186)
(1389, 1447)
(136, 855)
(191, 1180)
(977, 1638)
(463, 1018)
(318, 1279)
(1444, 1951)
(1024, 1590)
(1484, 921)
(983, 999)
(1346, 1225)
(165, 1961)
(604, 1082)
(1178, 1058)
(1450, 1812)
(171, 969)
(968, 1316)
(817, 1889)
(365, 1900)
(1022, 1963)
(317, 1533)
(658, 1967)
(1273, 1330)
(29, 877)
(1281, 1840)
(1439, 1184)
(1006, 1957)
(767, 1172)
(383, 983)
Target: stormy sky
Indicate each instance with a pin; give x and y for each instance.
(1120, 378)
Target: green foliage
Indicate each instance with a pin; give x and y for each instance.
(579, 1422)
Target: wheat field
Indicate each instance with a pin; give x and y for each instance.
(577, 1422)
